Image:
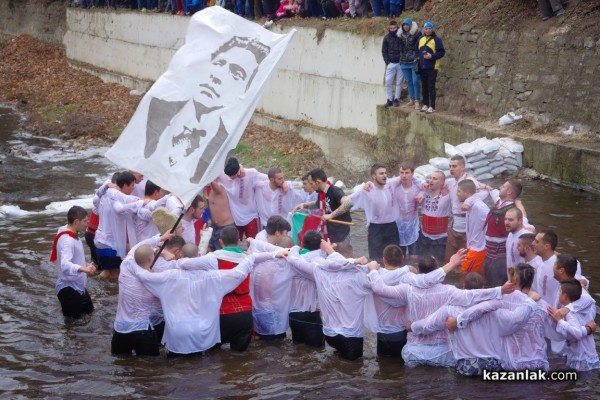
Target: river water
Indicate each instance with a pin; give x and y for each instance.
(41, 356)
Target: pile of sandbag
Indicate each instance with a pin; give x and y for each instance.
(485, 158)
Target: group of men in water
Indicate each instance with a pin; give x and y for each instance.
(517, 291)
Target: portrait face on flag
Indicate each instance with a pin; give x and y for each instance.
(177, 131)
(196, 112)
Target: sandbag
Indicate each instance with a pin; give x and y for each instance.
(425, 170)
(478, 164)
(486, 145)
(482, 170)
(496, 164)
(519, 159)
(440, 163)
(510, 144)
(476, 157)
(485, 176)
(511, 168)
(511, 161)
(498, 170)
(468, 149)
(452, 151)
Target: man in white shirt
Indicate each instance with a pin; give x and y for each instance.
(67, 252)
(380, 211)
(405, 193)
(457, 233)
(145, 227)
(433, 349)
(435, 208)
(191, 215)
(191, 329)
(240, 184)
(513, 221)
(275, 196)
(116, 229)
(138, 324)
(476, 219)
(527, 250)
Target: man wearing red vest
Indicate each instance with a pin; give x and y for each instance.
(236, 308)
(504, 199)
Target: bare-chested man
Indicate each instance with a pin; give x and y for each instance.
(220, 213)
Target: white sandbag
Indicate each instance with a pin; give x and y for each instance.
(519, 159)
(511, 168)
(511, 161)
(498, 170)
(425, 170)
(485, 176)
(468, 149)
(510, 144)
(440, 163)
(452, 151)
(447, 173)
(476, 157)
(504, 152)
(478, 164)
(486, 145)
(496, 164)
(420, 177)
(482, 170)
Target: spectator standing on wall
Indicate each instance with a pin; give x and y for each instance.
(390, 51)
(409, 40)
(431, 49)
(551, 8)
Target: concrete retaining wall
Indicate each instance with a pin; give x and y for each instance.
(329, 83)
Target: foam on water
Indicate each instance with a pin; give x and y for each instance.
(64, 206)
(7, 211)
(55, 207)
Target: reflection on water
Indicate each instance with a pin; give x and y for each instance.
(42, 356)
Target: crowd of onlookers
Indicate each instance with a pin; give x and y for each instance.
(270, 9)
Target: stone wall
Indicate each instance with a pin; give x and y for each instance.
(43, 20)
(547, 76)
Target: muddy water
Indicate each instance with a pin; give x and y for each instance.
(41, 356)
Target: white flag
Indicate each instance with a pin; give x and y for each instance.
(196, 112)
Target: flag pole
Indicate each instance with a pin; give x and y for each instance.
(166, 241)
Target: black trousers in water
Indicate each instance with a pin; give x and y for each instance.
(73, 303)
(143, 343)
(236, 329)
(349, 348)
(391, 344)
(379, 236)
(307, 328)
(428, 78)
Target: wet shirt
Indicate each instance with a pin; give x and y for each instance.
(71, 257)
(240, 192)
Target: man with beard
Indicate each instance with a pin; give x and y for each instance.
(380, 210)
(513, 221)
(331, 198)
(275, 196)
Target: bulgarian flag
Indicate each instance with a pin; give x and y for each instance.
(302, 222)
